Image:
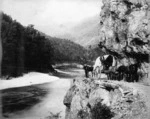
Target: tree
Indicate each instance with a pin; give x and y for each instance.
(1, 53)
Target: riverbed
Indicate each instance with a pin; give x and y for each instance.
(38, 101)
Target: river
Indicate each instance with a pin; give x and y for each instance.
(38, 101)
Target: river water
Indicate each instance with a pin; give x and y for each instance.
(38, 101)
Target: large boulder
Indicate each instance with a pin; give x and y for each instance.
(93, 99)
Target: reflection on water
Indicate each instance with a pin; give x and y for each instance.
(18, 99)
(37, 102)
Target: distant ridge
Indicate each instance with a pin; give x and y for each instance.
(85, 33)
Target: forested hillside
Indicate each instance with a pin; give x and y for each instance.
(67, 50)
(27, 49)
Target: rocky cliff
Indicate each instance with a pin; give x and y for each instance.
(125, 34)
(125, 30)
(93, 99)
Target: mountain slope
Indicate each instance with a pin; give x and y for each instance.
(27, 49)
(85, 33)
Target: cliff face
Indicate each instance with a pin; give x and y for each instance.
(92, 99)
(122, 20)
(125, 34)
(125, 30)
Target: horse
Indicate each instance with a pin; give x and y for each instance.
(87, 69)
(128, 70)
(133, 71)
(122, 72)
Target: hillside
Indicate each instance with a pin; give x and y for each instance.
(66, 50)
(85, 33)
(26, 49)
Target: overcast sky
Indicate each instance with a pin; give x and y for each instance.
(45, 13)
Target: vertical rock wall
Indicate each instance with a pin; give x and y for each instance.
(125, 30)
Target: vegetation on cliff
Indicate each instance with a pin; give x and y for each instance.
(26, 49)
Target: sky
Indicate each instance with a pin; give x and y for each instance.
(50, 13)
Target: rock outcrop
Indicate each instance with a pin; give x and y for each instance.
(125, 34)
(92, 99)
(125, 31)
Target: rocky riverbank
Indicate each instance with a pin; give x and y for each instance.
(94, 99)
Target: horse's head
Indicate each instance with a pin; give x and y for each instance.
(84, 66)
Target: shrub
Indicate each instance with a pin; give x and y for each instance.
(100, 111)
